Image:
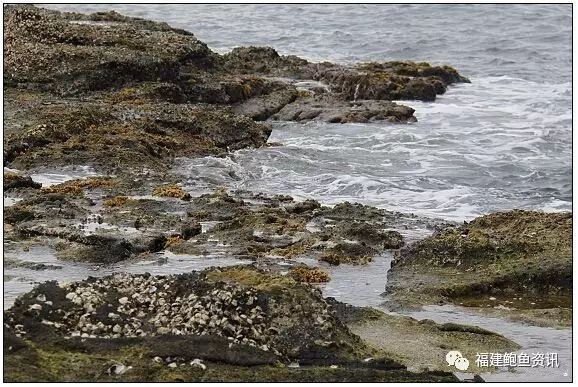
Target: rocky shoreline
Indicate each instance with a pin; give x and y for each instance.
(517, 264)
(125, 97)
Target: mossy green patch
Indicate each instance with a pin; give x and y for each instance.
(516, 260)
(252, 278)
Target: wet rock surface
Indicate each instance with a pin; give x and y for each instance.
(13, 181)
(517, 262)
(421, 343)
(244, 322)
(124, 97)
(118, 93)
(325, 108)
(71, 53)
(94, 220)
(379, 81)
(122, 136)
(214, 303)
(237, 317)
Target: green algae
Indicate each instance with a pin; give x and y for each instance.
(518, 260)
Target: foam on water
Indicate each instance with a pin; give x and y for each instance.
(496, 144)
(502, 142)
(51, 177)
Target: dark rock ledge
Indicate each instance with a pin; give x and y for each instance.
(82, 87)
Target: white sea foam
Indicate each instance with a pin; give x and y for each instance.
(482, 147)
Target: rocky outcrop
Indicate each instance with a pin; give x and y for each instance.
(239, 304)
(113, 92)
(127, 96)
(110, 137)
(15, 181)
(247, 225)
(270, 101)
(232, 318)
(421, 343)
(81, 86)
(73, 53)
(327, 108)
(378, 81)
(519, 261)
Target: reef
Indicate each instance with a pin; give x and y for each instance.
(516, 263)
(120, 93)
(246, 225)
(142, 327)
(126, 98)
(421, 344)
(239, 323)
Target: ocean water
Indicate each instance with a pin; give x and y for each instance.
(501, 142)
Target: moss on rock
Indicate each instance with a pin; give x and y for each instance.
(171, 191)
(519, 260)
(310, 275)
(15, 180)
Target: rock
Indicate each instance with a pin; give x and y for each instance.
(276, 298)
(423, 341)
(365, 84)
(41, 207)
(512, 253)
(147, 61)
(255, 227)
(129, 135)
(392, 240)
(70, 54)
(127, 97)
(190, 230)
(304, 206)
(345, 252)
(371, 234)
(389, 80)
(17, 214)
(275, 98)
(265, 60)
(347, 211)
(256, 311)
(309, 275)
(153, 93)
(14, 180)
(171, 191)
(77, 187)
(328, 108)
(198, 363)
(56, 215)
